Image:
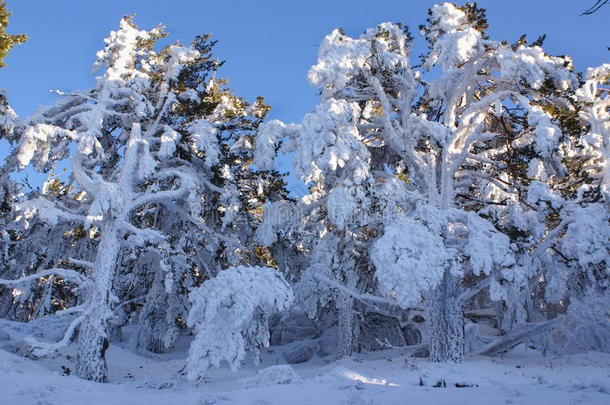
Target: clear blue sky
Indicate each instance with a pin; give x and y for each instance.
(268, 45)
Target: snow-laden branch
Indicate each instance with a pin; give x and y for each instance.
(474, 290)
(165, 195)
(457, 160)
(229, 315)
(83, 180)
(473, 117)
(205, 228)
(386, 111)
(551, 237)
(42, 349)
(354, 294)
(202, 226)
(211, 186)
(66, 274)
(147, 234)
(512, 340)
(49, 212)
(455, 96)
(83, 263)
(473, 174)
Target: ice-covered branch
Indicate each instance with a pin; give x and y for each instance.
(66, 274)
(147, 234)
(42, 349)
(474, 290)
(473, 117)
(83, 180)
(467, 80)
(211, 186)
(83, 263)
(512, 340)
(551, 237)
(386, 111)
(356, 295)
(72, 310)
(165, 195)
(49, 212)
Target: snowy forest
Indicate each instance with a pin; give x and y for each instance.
(455, 225)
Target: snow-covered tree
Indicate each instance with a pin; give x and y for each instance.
(559, 221)
(595, 95)
(130, 156)
(381, 122)
(219, 228)
(230, 314)
(333, 225)
(26, 250)
(574, 255)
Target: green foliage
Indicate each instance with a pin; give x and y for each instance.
(408, 35)
(474, 14)
(7, 41)
(385, 34)
(237, 122)
(523, 41)
(476, 17)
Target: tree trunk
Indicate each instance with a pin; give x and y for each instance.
(91, 355)
(92, 335)
(345, 303)
(446, 321)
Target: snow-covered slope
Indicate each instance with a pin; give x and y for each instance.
(390, 377)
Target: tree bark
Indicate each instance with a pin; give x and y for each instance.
(91, 355)
(346, 325)
(446, 321)
(92, 337)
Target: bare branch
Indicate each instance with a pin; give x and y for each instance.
(598, 4)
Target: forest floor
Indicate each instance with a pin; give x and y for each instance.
(521, 376)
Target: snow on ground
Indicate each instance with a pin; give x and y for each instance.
(389, 377)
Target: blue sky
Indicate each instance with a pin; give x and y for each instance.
(268, 45)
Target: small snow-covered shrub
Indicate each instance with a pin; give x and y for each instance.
(230, 313)
(275, 375)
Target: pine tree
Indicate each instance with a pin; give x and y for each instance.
(219, 234)
(9, 190)
(436, 146)
(153, 160)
